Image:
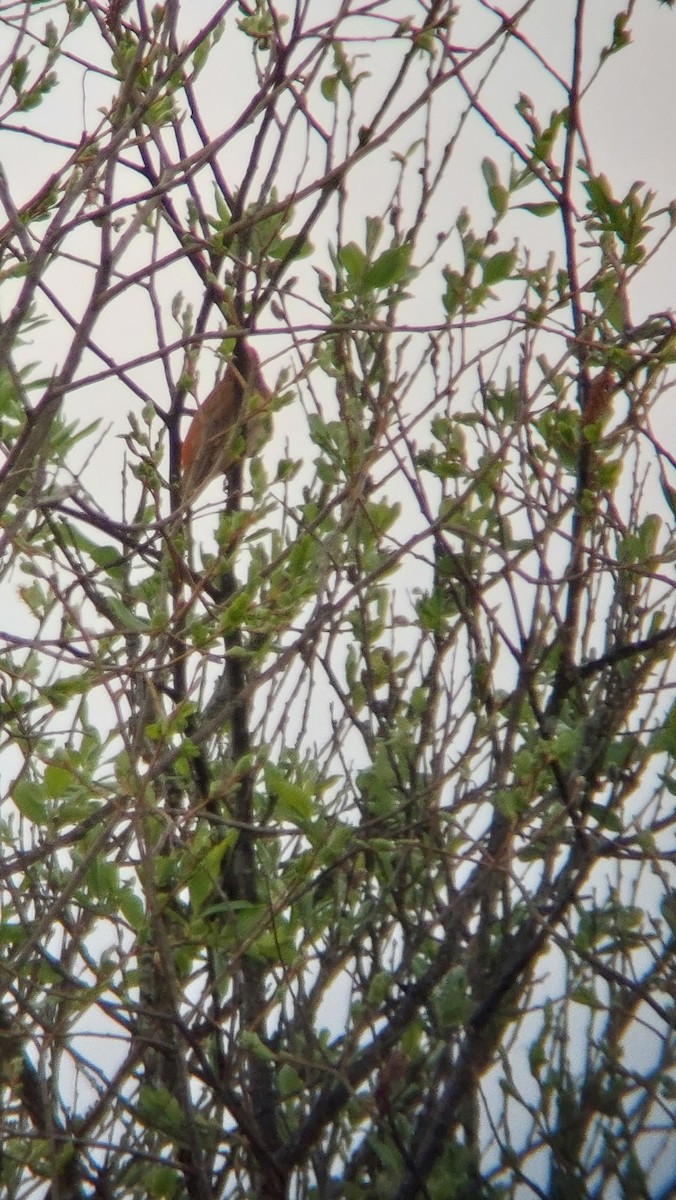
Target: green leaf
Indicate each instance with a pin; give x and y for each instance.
(353, 259)
(205, 877)
(289, 1082)
(423, 40)
(621, 36)
(18, 73)
(161, 1182)
(585, 995)
(388, 1155)
(669, 493)
(499, 266)
(161, 111)
(609, 473)
(648, 533)
(128, 620)
(33, 98)
(293, 801)
(374, 232)
(273, 945)
(664, 739)
(499, 198)
(107, 557)
(57, 781)
(250, 1041)
(389, 268)
(379, 988)
(158, 1109)
(282, 248)
(131, 908)
(257, 26)
(668, 910)
(456, 289)
(490, 172)
(103, 879)
(200, 56)
(329, 87)
(29, 798)
(453, 1000)
(605, 818)
(545, 208)
(600, 194)
(17, 272)
(61, 691)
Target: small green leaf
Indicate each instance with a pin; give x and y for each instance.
(106, 557)
(374, 231)
(388, 1156)
(161, 1182)
(546, 208)
(585, 995)
(250, 1041)
(128, 620)
(609, 474)
(664, 739)
(329, 87)
(600, 195)
(389, 268)
(490, 172)
(456, 289)
(293, 800)
(57, 781)
(605, 818)
(161, 112)
(205, 877)
(499, 266)
(158, 1109)
(62, 690)
(499, 198)
(454, 1004)
(131, 908)
(33, 98)
(423, 39)
(200, 56)
(103, 879)
(289, 1082)
(379, 988)
(648, 533)
(29, 798)
(272, 945)
(282, 249)
(18, 73)
(352, 257)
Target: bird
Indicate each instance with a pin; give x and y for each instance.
(233, 421)
(599, 394)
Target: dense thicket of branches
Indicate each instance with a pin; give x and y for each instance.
(337, 813)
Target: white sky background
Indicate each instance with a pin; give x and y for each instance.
(630, 131)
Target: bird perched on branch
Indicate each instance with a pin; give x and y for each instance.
(233, 421)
